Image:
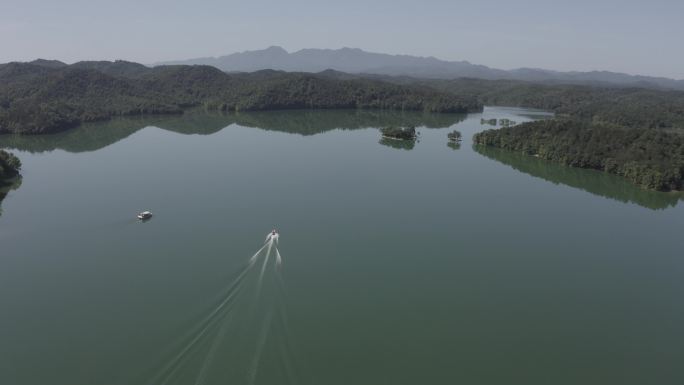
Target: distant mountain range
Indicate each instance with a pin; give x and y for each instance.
(354, 60)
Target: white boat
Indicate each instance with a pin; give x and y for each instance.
(272, 236)
(145, 215)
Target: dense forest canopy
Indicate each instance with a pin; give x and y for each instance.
(44, 96)
(403, 133)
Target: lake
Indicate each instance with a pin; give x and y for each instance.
(397, 263)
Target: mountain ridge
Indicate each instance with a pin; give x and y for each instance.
(355, 60)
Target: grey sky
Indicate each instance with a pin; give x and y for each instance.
(637, 37)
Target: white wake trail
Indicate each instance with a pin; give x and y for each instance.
(279, 259)
(261, 342)
(203, 344)
(210, 320)
(210, 355)
(254, 257)
(263, 266)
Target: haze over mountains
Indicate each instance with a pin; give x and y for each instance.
(354, 60)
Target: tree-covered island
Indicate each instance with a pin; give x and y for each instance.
(399, 133)
(454, 136)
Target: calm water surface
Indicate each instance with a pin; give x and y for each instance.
(401, 264)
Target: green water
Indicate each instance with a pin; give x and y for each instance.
(401, 264)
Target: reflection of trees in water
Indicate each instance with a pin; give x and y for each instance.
(88, 137)
(94, 136)
(454, 145)
(397, 143)
(310, 122)
(8, 185)
(592, 181)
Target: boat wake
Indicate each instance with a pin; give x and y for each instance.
(244, 338)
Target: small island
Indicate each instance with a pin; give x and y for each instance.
(454, 136)
(398, 133)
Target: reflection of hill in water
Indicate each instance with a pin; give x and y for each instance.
(400, 144)
(196, 123)
(309, 122)
(592, 181)
(89, 137)
(94, 136)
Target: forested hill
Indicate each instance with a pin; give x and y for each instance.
(650, 158)
(49, 96)
(625, 107)
(632, 132)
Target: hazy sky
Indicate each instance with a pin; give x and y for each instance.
(638, 37)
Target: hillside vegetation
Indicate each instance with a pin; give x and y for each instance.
(650, 158)
(632, 132)
(625, 107)
(44, 96)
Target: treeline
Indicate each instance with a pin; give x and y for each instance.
(650, 158)
(48, 96)
(624, 107)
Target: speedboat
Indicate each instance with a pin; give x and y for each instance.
(145, 215)
(272, 236)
